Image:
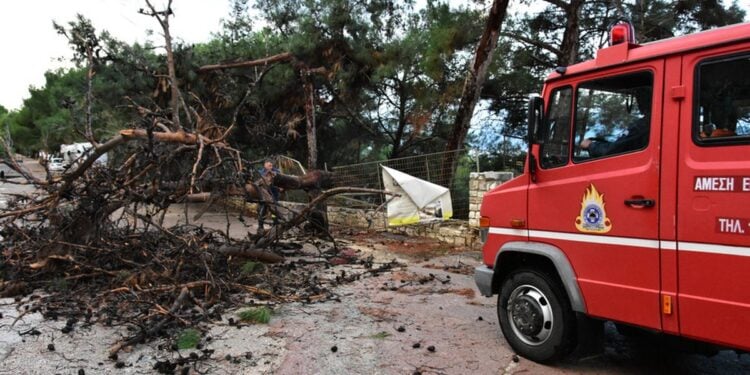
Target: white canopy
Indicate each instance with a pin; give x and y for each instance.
(419, 199)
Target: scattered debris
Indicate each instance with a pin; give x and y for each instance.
(458, 268)
(165, 367)
(94, 239)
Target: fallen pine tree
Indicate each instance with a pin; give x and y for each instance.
(91, 245)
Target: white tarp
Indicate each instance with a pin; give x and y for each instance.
(420, 200)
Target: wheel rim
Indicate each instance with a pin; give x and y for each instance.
(530, 315)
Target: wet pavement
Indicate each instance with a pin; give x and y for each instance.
(425, 318)
(418, 319)
(8, 188)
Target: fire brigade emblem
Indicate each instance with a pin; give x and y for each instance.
(593, 218)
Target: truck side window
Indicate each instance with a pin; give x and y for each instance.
(722, 114)
(612, 116)
(556, 146)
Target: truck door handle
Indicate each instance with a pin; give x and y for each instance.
(640, 203)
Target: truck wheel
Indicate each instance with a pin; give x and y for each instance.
(535, 316)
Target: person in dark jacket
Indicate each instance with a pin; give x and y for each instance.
(267, 173)
(634, 138)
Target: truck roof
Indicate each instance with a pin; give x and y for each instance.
(627, 53)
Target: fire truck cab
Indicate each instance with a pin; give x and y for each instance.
(634, 205)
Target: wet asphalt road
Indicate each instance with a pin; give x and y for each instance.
(7, 188)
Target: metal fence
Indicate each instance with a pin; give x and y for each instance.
(428, 167)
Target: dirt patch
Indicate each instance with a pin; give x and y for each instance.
(465, 292)
(460, 268)
(405, 276)
(379, 314)
(405, 246)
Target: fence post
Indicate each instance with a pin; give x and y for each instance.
(382, 196)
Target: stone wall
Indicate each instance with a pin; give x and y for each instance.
(480, 183)
(453, 232)
(356, 217)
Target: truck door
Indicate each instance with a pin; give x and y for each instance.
(598, 202)
(713, 197)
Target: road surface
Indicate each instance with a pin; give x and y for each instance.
(386, 324)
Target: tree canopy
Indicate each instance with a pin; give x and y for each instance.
(385, 75)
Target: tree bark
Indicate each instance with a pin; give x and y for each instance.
(312, 137)
(173, 137)
(89, 95)
(472, 88)
(571, 37)
(397, 138)
(174, 100)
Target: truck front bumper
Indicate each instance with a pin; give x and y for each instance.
(483, 278)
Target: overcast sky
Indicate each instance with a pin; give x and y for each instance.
(31, 47)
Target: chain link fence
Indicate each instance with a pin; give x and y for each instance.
(428, 167)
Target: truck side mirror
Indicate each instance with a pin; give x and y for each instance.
(536, 116)
(535, 130)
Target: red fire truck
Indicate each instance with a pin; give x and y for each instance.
(634, 206)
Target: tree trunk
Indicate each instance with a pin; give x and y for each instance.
(397, 138)
(174, 101)
(312, 139)
(472, 88)
(173, 83)
(89, 95)
(571, 36)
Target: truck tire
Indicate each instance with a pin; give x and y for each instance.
(535, 316)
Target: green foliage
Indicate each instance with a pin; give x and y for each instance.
(394, 70)
(188, 339)
(256, 315)
(693, 15)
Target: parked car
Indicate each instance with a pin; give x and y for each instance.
(56, 165)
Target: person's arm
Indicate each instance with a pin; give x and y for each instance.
(596, 148)
(636, 138)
